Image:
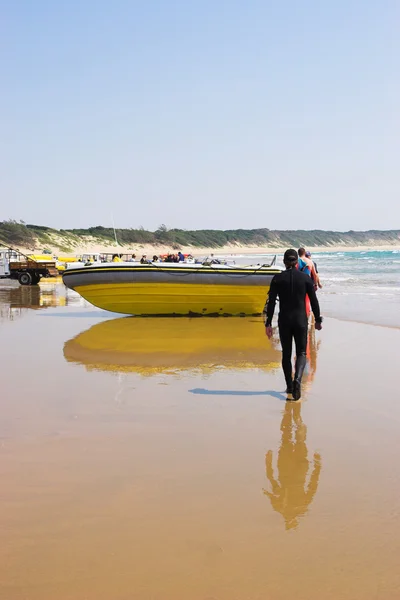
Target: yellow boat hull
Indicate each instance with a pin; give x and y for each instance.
(179, 299)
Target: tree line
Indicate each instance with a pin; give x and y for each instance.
(14, 233)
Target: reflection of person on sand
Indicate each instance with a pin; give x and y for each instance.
(291, 496)
(312, 352)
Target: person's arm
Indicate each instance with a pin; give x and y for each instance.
(269, 307)
(276, 488)
(314, 479)
(314, 302)
(314, 275)
(319, 284)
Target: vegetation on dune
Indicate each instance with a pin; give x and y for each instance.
(17, 234)
(14, 233)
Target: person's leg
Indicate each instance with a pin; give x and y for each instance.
(285, 334)
(300, 339)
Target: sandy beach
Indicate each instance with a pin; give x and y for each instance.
(179, 472)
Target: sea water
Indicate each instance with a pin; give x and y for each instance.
(361, 286)
(357, 286)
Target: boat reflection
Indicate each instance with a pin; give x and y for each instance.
(15, 300)
(291, 494)
(151, 346)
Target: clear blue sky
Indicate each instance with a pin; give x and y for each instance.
(201, 114)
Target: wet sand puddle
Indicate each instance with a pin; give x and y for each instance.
(157, 459)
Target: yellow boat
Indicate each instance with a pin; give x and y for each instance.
(41, 257)
(150, 346)
(67, 259)
(63, 261)
(172, 289)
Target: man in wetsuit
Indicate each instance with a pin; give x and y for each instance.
(292, 286)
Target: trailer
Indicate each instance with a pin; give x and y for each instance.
(27, 270)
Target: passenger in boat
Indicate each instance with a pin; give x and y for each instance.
(116, 258)
(132, 258)
(144, 260)
(155, 258)
(214, 261)
(181, 258)
(291, 287)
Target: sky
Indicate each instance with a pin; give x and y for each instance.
(218, 114)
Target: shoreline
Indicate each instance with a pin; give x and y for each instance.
(329, 315)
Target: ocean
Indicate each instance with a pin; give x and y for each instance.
(361, 286)
(357, 286)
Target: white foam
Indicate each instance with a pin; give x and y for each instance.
(338, 279)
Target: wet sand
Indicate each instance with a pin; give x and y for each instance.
(188, 477)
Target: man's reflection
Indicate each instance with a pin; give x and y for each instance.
(291, 495)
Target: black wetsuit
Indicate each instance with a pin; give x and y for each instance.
(292, 286)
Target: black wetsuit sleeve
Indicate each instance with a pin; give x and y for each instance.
(269, 308)
(314, 300)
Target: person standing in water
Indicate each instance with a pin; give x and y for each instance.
(291, 287)
(308, 255)
(307, 266)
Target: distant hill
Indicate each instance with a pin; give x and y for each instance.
(21, 235)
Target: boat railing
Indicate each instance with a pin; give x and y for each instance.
(210, 261)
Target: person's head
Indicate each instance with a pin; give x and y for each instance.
(155, 258)
(308, 254)
(302, 252)
(290, 258)
(133, 255)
